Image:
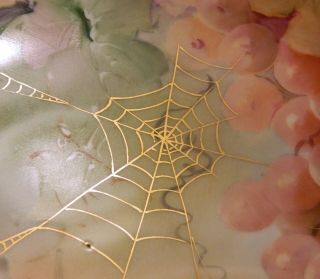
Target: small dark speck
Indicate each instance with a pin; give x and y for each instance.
(88, 245)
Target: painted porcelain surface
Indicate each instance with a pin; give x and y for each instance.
(159, 139)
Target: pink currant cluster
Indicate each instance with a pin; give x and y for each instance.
(276, 86)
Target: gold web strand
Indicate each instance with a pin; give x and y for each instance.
(171, 144)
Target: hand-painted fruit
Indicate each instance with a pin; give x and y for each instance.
(304, 222)
(289, 186)
(277, 25)
(295, 122)
(245, 208)
(304, 31)
(196, 38)
(313, 268)
(277, 8)
(297, 72)
(251, 47)
(289, 255)
(224, 15)
(255, 100)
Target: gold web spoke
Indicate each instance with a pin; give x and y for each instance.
(151, 136)
(135, 207)
(161, 237)
(195, 161)
(190, 236)
(139, 129)
(184, 51)
(84, 243)
(221, 154)
(206, 125)
(19, 237)
(165, 210)
(144, 213)
(214, 86)
(160, 95)
(190, 110)
(7, 243)
(13, 86)
(97, 216)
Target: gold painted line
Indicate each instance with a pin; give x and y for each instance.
(161, 238)
(102, 219)
(132, 182)
(193, 76)
(93, 248)
(148, 107)
(196, 268)
(118, 199)
(164, 210)
(186, 91)
(164, 190)
(203, 62)
(142, 95)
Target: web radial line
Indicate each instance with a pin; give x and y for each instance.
(197, 148)
(196, 117)
(217, 84)
(194, 161)
(171, 91)
(201, 140)
(43, 224)
(10, 241)
(154, 161)
(136, 208)
(93, 248)
(209, 108)
(109, 103)
(142, 170)
(186, 217)
(108, 142)
(190, 110)
(185, 186)
(125, 142)
(137, 117)
(143, 213)
(131, 181)
(161, 237)
(223, 100)
(217, 138)
(224, 154)
(102, 219)
(244, 159)
(211, 123)
(124, 125)
(36, 94)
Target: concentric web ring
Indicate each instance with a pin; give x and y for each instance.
(159, 142)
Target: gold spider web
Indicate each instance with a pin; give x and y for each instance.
(156, 142)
